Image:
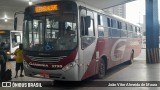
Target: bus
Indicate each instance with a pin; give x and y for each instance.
(96, 42)
(12, 39)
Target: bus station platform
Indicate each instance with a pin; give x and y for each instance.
(137, 72)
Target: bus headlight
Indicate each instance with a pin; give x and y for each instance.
(25, 64)
(8, 53)
(68, 66)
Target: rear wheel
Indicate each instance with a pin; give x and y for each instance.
(102, 69)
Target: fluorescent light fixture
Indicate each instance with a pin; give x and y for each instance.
(5, 16)
(5, 19)
(30, 3)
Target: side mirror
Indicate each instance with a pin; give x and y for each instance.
(15, 23)
(87, 21)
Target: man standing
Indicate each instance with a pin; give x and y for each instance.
(19, 60)
(3, 60)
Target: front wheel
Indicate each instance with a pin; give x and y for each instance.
(102, 69)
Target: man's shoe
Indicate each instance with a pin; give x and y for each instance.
(21, 75)
(16, 76)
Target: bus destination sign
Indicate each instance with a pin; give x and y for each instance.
(2, 32)
(46, 8)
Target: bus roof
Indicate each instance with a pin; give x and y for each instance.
(105, 13)
(83, 4)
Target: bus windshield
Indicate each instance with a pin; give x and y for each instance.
(50, 32)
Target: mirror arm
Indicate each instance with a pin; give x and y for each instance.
(16, 13)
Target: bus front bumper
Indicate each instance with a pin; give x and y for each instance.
(69, 75)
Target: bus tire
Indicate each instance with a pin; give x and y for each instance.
(57, 83)
(131, 57)
(102, 69)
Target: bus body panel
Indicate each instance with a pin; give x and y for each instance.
(106, 49)
(87, 56)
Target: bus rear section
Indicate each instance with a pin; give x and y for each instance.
(12, 39)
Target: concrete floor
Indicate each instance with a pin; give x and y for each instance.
(138, 71)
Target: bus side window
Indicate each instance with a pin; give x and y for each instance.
(91, 29)
(82, 16)
(102, 26)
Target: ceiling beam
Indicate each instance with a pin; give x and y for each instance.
(104, 4)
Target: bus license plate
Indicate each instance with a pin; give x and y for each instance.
(44, 74)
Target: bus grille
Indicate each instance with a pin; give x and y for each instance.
(47, 59)
(55, 75)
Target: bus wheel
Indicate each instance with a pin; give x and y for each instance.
(131, 57)
(102, 69)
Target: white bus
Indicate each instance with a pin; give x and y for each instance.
(12, 39)
(96, 42)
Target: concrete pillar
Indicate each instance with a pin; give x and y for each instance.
(152, 32)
